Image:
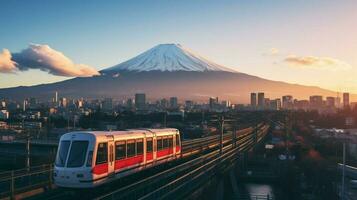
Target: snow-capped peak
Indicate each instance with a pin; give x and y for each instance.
(168, 57)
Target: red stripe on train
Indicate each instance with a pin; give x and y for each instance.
(164, 152)
(100, 169)
(149, 156)
(128, 161)
(178, 148)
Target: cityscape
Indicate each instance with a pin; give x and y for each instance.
(178, 100)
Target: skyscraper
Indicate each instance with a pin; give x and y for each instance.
(261, 100)
(173, 102)
(287, 101)
(56, 97)
(253, 99)
(346, 99)
(140, 101)
(330, 102)
(316, 101)
(213, 102)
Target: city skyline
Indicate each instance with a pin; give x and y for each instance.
(280, 53)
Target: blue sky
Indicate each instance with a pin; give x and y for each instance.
(237, 34)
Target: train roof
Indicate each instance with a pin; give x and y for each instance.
(127, 134)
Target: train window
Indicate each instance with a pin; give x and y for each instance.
(148, 145)
(159, 143)
(139, 146)
(120, 150)
(62, 153)
(165, 143)
(170, 142)
(177, 140)
(130, 148)
(77, 154)
(102, 153)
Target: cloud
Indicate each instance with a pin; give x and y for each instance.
(43, 57)
(313, 62)
(6, 64)
(273, 51)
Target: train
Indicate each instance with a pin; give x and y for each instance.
(87, 159)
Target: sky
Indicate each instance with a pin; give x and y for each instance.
(309, 42)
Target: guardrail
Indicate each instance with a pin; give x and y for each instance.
(17, 181)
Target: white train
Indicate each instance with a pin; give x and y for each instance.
(88, 159)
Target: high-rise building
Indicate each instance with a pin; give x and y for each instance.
(346, 99)
(338, 102)
(107, 104)
(253, 99)
(173, 102)
(164, 103)
(56, 97)
(213, 102)
(275, 104)
(330, 102)
(63, 102)
(288, 102)
(316, 101)
(140, 101)
(188, 104)
(261, 100)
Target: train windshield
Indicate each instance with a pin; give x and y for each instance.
(77, 154)
(62, 153)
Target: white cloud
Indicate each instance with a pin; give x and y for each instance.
(313, 62)
(6, 64)
(43, 57)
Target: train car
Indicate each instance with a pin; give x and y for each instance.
(90, 158)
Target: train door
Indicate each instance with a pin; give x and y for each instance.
(111, 156)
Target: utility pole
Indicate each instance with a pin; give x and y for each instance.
(221, 136)
(28, 151)
(343, 171)
(165, 119)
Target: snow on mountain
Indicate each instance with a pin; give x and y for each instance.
(168, 57)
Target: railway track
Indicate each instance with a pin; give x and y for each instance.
(191, 149)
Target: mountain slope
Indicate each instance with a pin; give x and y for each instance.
(168, 57)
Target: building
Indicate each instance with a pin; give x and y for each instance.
(253, 100)
(173, 102)
(63, 102)
(346, 99)
(129, 104)
(188, 104)
(288, 102)
(213, 101)
(261, 100)
(4, 114)
(330, 102)
(275, 104)
(226, 104)
(140, 101)
(107, 104)
(164, 103)
(316, 101)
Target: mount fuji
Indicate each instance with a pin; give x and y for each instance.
(163, 71)
(168, 57)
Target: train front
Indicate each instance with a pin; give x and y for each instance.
(74, 161)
